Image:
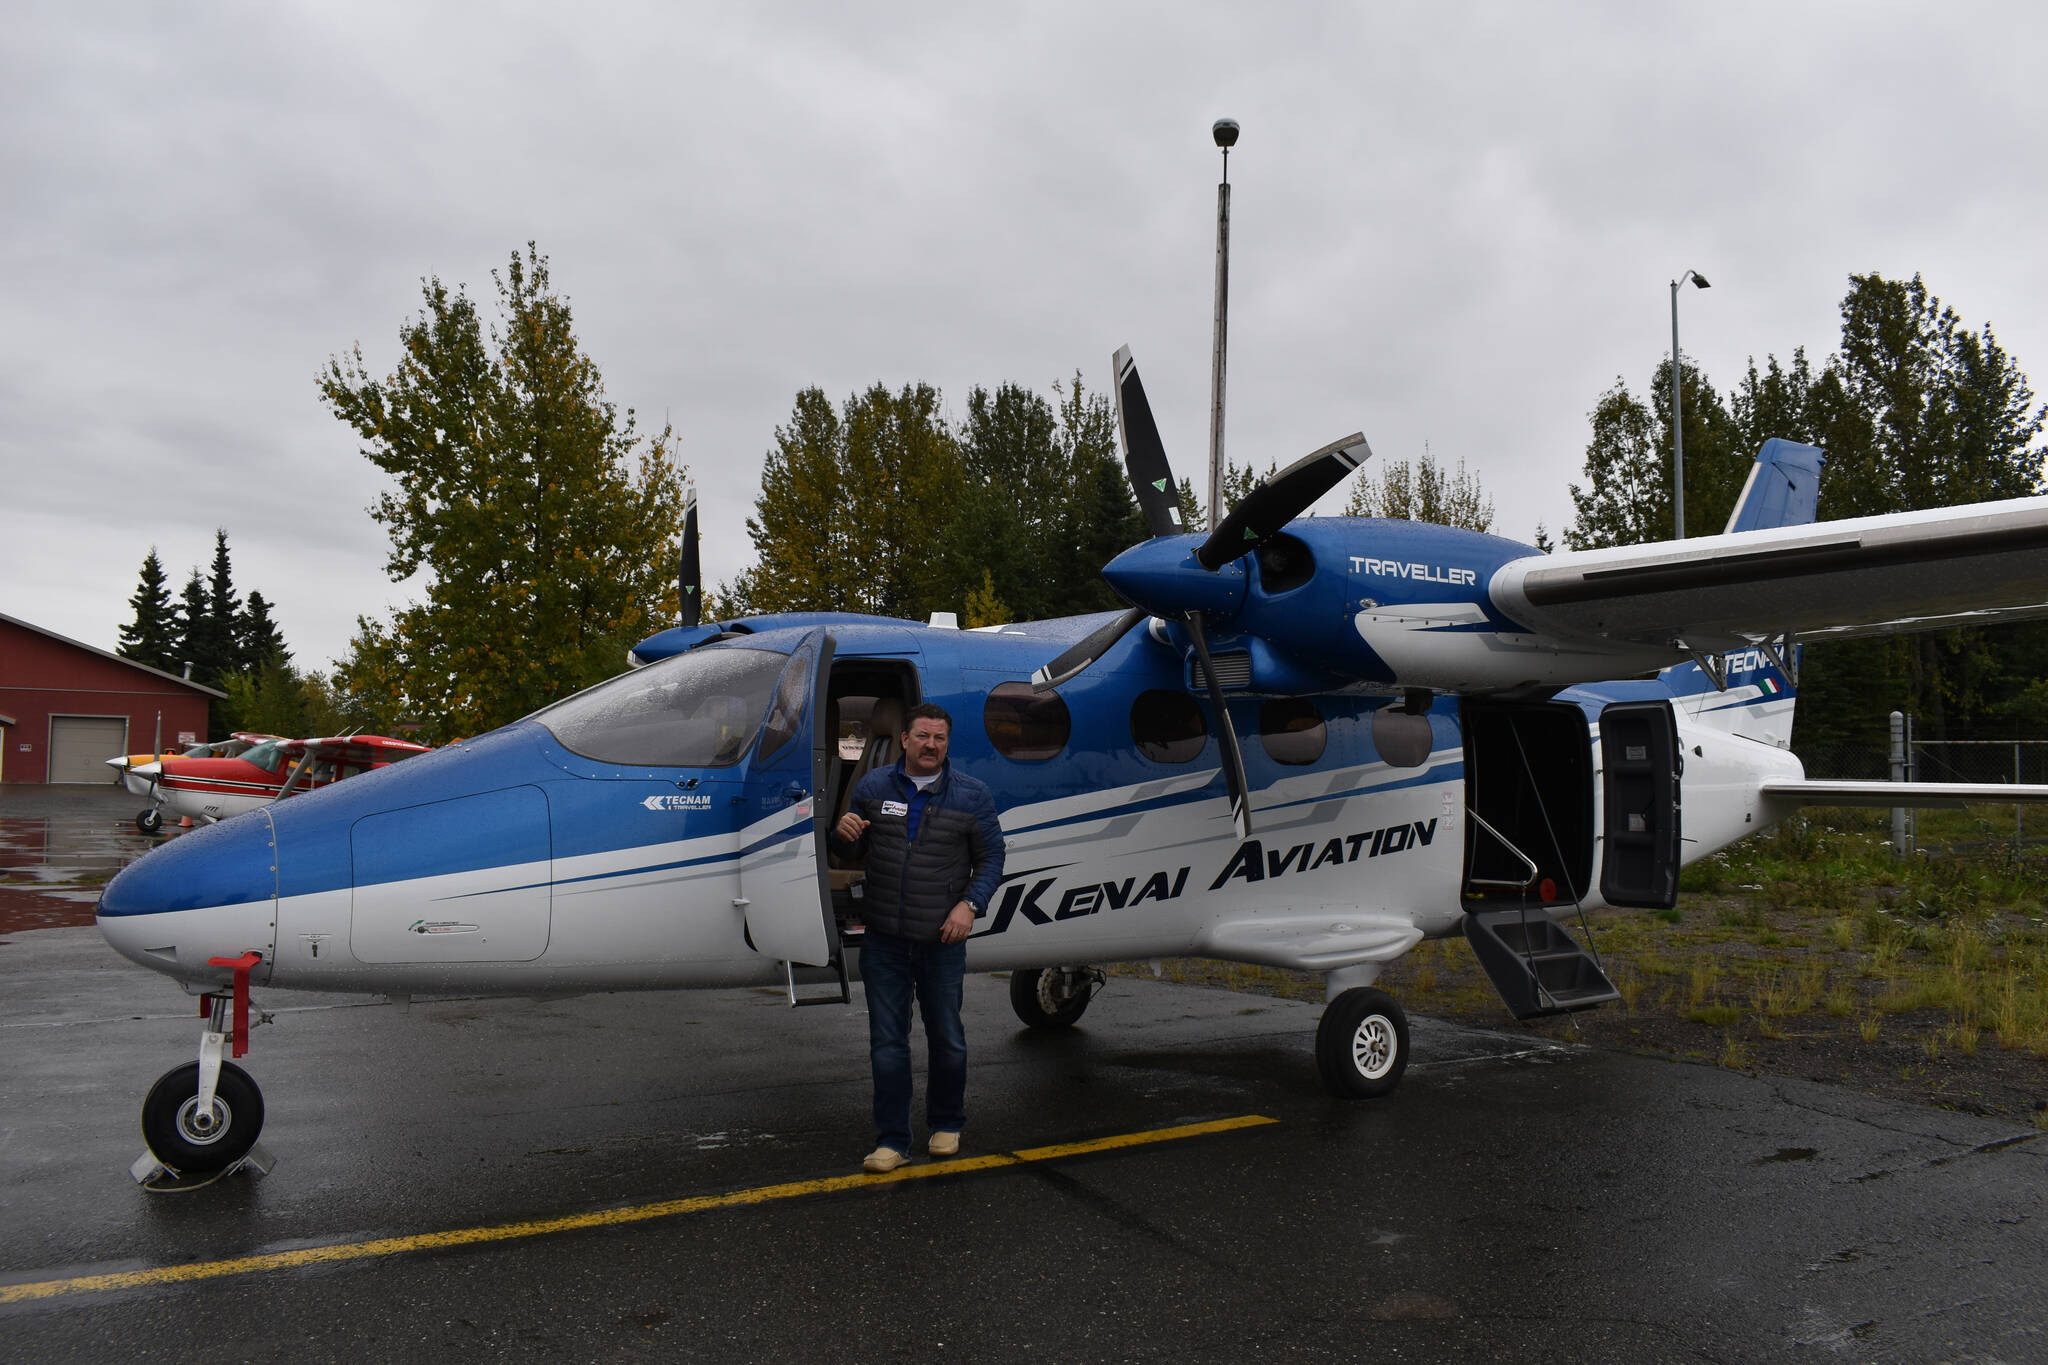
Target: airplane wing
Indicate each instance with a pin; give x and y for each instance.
(1975, 565)
(1915, 795)
(360, 749)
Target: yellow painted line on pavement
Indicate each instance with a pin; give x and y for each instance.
(639, 1213)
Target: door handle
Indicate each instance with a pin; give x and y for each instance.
(795, 792)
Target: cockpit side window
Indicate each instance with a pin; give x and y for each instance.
(696, 710)
(790, 699)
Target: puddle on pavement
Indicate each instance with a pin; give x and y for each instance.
(53, 866)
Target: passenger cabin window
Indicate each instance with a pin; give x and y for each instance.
(1292, 730)
(696, 710)
(1026, 725)
(1168, 727)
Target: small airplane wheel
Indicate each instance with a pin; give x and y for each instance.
(149, 822)
(190, 1142)
(1362, 1044)
(1049, 997)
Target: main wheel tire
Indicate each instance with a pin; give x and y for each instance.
(1049, 997)
(188, 1142)
(1362, 1043)
(149, 822)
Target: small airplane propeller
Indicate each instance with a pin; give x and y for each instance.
(1256, 520)
(689, 577)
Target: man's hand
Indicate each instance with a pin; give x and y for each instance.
(850, 827)
(958, 925)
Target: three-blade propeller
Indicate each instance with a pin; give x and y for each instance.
(1256, 520)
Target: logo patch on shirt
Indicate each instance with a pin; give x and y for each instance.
(895, 808)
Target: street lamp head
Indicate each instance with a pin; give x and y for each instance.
(1225, 133)
(1699, 279)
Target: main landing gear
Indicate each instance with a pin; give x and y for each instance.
(1362, 1043)
(203, 1118)
(1053, 997)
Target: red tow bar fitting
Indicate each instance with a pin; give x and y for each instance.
(242, 965)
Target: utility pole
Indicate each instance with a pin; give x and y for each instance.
(1225, 133)
(1678, 426)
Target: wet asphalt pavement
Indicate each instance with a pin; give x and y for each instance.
(1514, 1200)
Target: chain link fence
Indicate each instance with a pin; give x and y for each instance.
(1994, 827)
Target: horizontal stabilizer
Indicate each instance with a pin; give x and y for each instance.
(1915, 795)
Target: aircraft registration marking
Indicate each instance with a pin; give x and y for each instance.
(642, 1213)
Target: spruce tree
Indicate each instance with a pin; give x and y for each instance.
(257, 637)
(194, 615)
(152, 637)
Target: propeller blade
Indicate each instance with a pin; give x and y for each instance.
(1086, 652)
(1226, 735)
(1144, 453)
(1280, 499)
(689, 577)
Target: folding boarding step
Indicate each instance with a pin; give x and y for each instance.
(1536, 966)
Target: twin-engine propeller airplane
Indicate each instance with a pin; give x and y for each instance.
(1309, 743)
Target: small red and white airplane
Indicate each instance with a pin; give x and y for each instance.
(209, 788)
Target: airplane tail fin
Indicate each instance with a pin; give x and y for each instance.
(1783, 488)
(1755, 694)
(1756, 703)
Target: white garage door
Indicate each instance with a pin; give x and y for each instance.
(81, 745)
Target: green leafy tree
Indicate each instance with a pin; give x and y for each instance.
(1044, 503)
(152, 637)
(544, 523)
(1627, 497)
(855, 507)
(1422, 491)
(904, 466)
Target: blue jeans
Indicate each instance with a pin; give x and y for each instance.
(894, 970)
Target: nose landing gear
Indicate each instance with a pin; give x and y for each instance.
(203, 1118)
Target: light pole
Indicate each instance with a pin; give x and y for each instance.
(1225, 133)
(1678, 426)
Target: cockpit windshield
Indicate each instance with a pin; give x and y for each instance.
(696, 710)
(268, 755)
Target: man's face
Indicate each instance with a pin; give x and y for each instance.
(924, 746)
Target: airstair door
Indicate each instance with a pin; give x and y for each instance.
(1640, 769)
(783, 883)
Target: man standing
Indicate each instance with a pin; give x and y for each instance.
(934, 857)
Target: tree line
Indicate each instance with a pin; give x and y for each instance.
(544, 521)
(220, 640)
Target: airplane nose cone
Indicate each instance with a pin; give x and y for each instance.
(1161, 576)
(209, 893)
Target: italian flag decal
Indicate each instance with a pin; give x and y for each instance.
(1771, 688)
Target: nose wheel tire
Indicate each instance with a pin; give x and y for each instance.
(1052, 997)
(1362, 1044)
(194, 1141)
(149, 821)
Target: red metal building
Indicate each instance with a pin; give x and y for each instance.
(70, 707)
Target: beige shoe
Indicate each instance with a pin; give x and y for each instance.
(883, 1160)
(944, 1144)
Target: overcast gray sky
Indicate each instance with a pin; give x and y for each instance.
(1453, 224)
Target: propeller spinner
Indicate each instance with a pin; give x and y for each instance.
(1162, 581)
